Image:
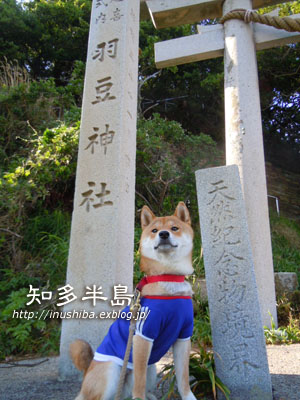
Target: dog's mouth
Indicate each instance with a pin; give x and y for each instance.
(165, 245)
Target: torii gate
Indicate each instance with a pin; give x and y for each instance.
(238, 41)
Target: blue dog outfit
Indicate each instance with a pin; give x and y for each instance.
(169, 319)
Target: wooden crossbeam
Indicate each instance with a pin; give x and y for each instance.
(167, 13)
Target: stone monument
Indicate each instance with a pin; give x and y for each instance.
(237, 41)
(102, 233)
(237, 333)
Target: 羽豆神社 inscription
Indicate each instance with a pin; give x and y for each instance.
(102, 233)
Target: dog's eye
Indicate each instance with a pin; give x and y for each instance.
(174, 228)
(154, 230)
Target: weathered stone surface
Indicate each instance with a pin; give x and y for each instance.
(285, 282)
(102, 234)
(166, 13)
(244, 147)
(209, 43)
(238, 337)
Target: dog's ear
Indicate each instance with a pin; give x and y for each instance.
(182, 213)
(147, 217)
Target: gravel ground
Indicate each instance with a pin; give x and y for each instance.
(41, 382)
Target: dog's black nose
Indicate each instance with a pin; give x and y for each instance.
(164, 234)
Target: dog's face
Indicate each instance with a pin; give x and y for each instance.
(167, 242)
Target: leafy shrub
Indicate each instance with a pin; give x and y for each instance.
(204, 381)
(28, 106)
(47, 240)
(16, 334)
(167, 157)
(51, 162)
(202, 329)
(285, 334)
(43, 179)
(285, 244)
(22, 106)
(45, 243)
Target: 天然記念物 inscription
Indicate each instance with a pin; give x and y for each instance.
(237, 332)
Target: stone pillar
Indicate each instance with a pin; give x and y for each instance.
(237, 333)
(244, 146)
(102, 233)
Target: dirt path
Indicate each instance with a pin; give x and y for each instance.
(41, 382)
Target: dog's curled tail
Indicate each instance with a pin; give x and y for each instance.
(81, 354)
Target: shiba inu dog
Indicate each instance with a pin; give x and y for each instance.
(166, 257)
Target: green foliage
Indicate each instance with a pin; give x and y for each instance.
(202, 329)
(286, 9)
(50, 246)
(45, 248)
(167, 157)
(137, 273)
(15, 30)
(288, 309)
(28, 106)
(285, 244)
(203, 372)
(10, 281)
(24, 105)
(191, 94)
(50, 165)
(17, 334)
(198, 262)
(149, 36)
(42, 178)
(45, 36)
(204, 381)
(279, 83)
(283, 335)
(20, 334)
